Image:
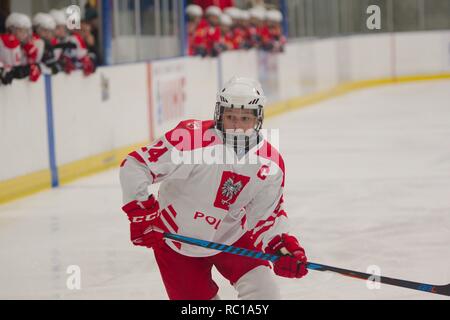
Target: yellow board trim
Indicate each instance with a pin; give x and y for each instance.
(111, 159)
(25, 185)
(296, 103)
(19, 187)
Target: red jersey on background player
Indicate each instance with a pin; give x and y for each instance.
(213, 33)
(197, 30)
(17, 52)
(273, 37)
(232, 201)
(227, 34)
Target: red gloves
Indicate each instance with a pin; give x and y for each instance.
(292, 265)
(88, 66)
(35, 72)
(68, 65)
(31, 52)
(146, 228)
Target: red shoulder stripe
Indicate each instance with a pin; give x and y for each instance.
(10, 41)
(192, 134)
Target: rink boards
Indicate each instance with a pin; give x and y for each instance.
(65, 127)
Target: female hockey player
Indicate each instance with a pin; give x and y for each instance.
(225, 198)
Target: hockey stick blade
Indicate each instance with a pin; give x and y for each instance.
(437, 289)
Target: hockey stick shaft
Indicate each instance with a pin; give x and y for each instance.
(437, 289)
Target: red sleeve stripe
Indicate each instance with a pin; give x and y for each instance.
(265, 225)
(169, 220)
(138, 157)
(172, 210)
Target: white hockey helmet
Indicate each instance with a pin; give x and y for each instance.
(241, 93)
(258, 13)
(194, 10)
(213, 11)
(245, 15)
(274, 16)
(59, 16)
(233, 12)
(18, 20)
(226, 20)
(44, 20)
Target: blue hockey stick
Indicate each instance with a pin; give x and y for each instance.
(437, 289)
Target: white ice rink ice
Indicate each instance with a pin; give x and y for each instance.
(367, 183)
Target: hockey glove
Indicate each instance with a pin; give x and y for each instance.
(146, 228)
(88, 66)
(35, 72)
(293, 262)
(67, 64)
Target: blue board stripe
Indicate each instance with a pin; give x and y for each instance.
(50, 131)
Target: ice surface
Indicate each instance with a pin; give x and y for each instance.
(368, 183)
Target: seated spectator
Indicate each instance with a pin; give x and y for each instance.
(239, 33)
(71, 48)
(91, 41)
(213, 34)
(62, 43)
(44, 27)
(227, 34)
(277, 39)
(196, 28)
(245, 26)
(17, 52)
(222, 4)
(91, 20)
(257, 17)
(80, 55)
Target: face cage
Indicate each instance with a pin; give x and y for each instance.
(219, 111)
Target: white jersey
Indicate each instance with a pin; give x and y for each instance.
(207, 200)
(11, 54)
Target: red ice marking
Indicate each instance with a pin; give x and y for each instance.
(123, 163)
